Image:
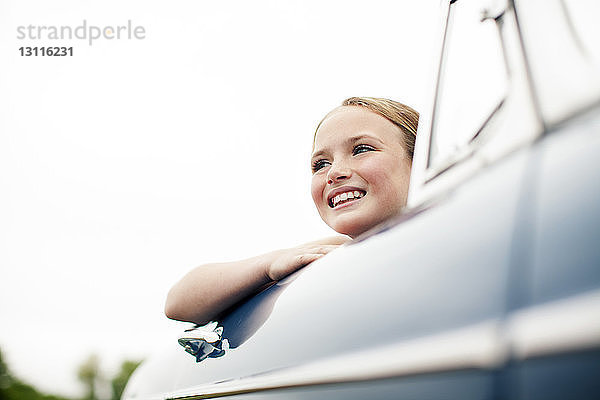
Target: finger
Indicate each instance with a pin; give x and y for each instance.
(339, 240)
(334, 240)
(305, 259)
(324, 249)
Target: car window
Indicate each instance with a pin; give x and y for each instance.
(560, 38)
(583, 22)
(472, 85)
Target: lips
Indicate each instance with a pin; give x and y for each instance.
(344, 195)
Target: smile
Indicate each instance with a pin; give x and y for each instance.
(346, 197)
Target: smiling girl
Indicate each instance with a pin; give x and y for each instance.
(361, 161)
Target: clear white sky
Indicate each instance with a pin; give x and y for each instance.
(132, 161)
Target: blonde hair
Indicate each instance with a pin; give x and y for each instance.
(401, 115)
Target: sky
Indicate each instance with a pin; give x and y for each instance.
(134, 160)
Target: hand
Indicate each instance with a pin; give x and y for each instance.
(287, 261)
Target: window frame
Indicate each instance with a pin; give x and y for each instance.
(431, 183)
(444, 162)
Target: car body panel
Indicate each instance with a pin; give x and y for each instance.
(566, 258)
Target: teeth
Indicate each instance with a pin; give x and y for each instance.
(343, 197)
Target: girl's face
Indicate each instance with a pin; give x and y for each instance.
(360, 170)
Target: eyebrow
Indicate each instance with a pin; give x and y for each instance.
(350, 140)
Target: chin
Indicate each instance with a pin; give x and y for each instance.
(351, 227)
(354, 225)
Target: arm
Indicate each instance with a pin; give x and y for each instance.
(208, 290)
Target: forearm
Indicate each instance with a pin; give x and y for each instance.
(208, 290)
(205, 292)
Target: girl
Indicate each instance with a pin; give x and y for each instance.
(361, 161)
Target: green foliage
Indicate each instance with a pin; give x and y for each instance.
(88, 375)
(12, 388)
(120, 380)
(5, 379)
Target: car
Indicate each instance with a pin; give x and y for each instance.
(488, 286)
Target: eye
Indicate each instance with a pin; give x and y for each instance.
(318, 164)
(362, 148)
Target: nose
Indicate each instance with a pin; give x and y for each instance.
(338, 172)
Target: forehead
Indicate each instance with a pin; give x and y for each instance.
(348, 122)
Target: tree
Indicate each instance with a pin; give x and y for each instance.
(88, 374)
(12, 388)
(120, 380)
(5, 378)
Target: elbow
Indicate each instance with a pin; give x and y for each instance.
(179, 307)
(170, 311)
(174, 308)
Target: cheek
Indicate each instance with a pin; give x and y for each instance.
(388, 177)
(375, 172)
(402, 176)
(401, 179)
(316, 189)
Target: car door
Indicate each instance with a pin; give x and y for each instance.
(554, 325)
